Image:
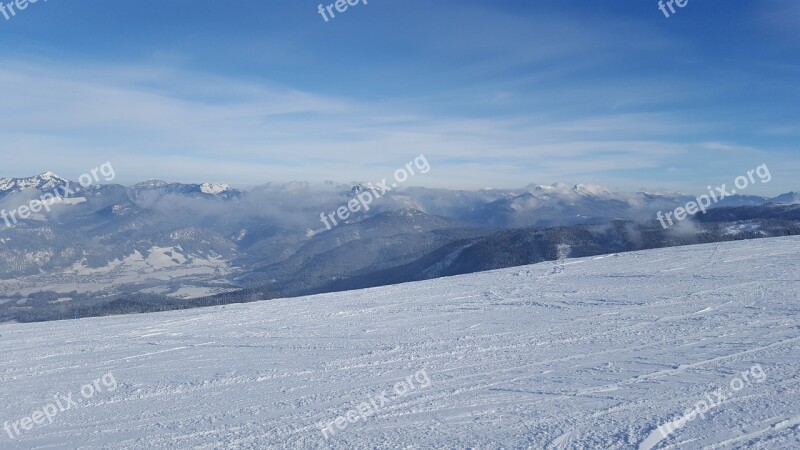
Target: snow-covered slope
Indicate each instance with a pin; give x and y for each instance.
(588, 353)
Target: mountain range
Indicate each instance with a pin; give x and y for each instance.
(183, 244)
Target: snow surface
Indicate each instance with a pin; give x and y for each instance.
(584, 353)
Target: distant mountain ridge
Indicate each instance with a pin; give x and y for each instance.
(498, 203)
(47, 181)
(185, 241)
(218, 190)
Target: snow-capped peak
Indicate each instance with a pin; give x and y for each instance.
(214, 188)
(564, 189)
(44, 182)
(5, 184)
(591, 189)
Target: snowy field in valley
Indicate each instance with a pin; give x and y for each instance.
(594, 352)
(169, 271)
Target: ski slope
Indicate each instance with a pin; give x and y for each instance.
(594, 352)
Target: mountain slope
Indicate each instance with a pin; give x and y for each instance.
(589, 353)
(509, 248)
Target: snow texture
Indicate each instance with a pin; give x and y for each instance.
(595, 352)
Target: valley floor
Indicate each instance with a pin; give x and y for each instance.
(595, 352)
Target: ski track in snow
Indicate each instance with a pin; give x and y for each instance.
(596, 354)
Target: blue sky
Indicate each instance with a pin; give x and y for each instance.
(494, 93)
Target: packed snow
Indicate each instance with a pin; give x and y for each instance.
(613, 352)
